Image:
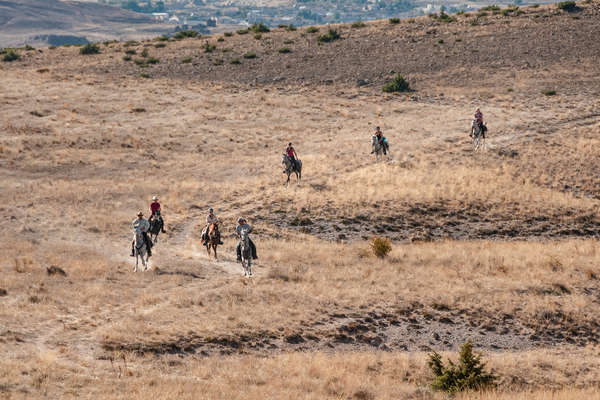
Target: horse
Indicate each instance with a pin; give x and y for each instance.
(139, 249)
(212, 238)
(156, 225)
(289, 168)
(377, 148)
(246, 252)
(477, 135)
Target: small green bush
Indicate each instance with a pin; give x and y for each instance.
(259, 28)
(493, 7)
(290, 28)
(130, 52)
(398, 84)
(358, 25)
(441, 41)
(228, 34)
(126, 58)
(186, 34)
(461, 12)
(29, 48)
(330, 36)
(380, 246)
(568, 6)
(243, 31)
(285, 50)
(394, 20)
(443, 17)
(221, 39)
(160, 45)
(152, 60)
(468, 374)
(312, 29)
(163, 38)
(51, 47)
(209, 48)
(10, 56)
(250, 55)
(258, 36)
(90, 48)
(236, 61)
(549, 92)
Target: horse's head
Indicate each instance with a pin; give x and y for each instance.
(244, 238)
(284, 158)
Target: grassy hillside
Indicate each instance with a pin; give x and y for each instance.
(498, 246)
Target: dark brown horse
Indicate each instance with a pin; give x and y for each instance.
(212, 238)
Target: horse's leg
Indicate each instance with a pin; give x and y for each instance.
(136, 261)
(215, 250)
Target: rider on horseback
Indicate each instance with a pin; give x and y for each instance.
(143, 225)
(242, 225)
(479, 119)
(155, 212)
(291, 153)
(211, 218)
(381, 140)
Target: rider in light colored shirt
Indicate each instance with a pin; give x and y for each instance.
(211, 218)
(243, 225)
(141, 224)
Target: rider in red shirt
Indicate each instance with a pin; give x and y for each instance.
(155, 212)
(291, 153)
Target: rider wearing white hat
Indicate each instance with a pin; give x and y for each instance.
(142, 225)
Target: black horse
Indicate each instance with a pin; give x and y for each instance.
(156, 226)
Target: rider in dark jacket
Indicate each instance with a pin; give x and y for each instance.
(242, 225)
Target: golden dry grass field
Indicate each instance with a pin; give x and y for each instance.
(498, 246)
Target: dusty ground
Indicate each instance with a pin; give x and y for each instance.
(498, 246)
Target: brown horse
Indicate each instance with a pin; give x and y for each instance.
(213, 237)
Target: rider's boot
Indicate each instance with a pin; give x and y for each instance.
(132, 253)
(239, 253)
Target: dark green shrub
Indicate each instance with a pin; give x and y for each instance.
(258, 36)
(236, 61)
(163, 38)
(209, 48)
(51, 47)
(243, 31)
(312, 29)
(127, 58)
(380, 246)
(290, 28)
(398, 84)
(28, 48)
(468, 374)
(443, 17)
(330, 36)
(493, 7)
(250, 55)
(90, 48)
(186, 34)
(441, 41)
(160, 45)
(10, 56)
(549, 92)
(358, 24)
(130, 52)
(460, 12)
(146, 76)
(140, 62)
(228, 34)
(259, 28)
(221, 39)
(152, 60)
(394, 20)
(285, 50)
(568, 6)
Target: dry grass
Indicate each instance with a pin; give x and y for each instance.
(76, 165)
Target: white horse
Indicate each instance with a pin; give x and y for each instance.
(140, 250)
(377, 148)
(477, 136)
(289, 168)
(246, 252)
